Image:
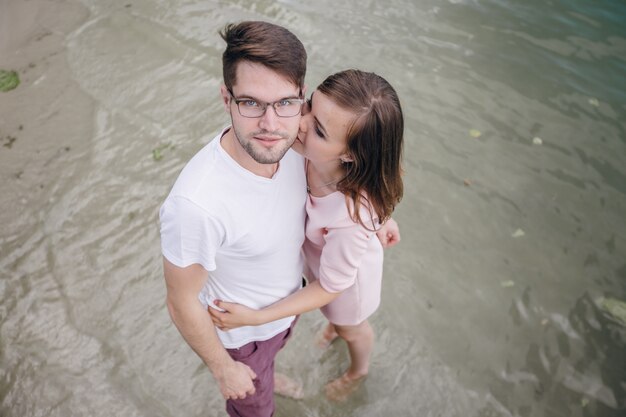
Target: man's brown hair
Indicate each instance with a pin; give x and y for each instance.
(264, 43)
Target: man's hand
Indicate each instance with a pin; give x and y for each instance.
(235, 380)
(389, 234)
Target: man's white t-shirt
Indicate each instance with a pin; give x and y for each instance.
(245, 230)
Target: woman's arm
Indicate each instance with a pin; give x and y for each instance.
(306, 299)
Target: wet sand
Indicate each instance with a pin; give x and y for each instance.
(485, 321)
(46, 118)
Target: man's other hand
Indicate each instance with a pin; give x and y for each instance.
(236, 381)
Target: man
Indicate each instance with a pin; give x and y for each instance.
(233, 224)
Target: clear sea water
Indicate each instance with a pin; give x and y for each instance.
(496, 302)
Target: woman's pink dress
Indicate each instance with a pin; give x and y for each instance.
(344, 256)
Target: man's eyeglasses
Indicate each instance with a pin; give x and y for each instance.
(286, 107)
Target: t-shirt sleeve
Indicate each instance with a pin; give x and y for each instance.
(189, 234)
(341, 256)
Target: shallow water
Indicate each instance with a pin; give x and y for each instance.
(491, 303)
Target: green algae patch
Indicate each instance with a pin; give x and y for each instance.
(475, 133)
(8, 80)
(157, 153)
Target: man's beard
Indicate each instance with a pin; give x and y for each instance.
(261, 154)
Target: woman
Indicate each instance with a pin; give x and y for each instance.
(351, 138)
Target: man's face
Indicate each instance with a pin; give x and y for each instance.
(267, 138)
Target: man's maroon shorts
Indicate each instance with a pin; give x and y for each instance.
(260, 357)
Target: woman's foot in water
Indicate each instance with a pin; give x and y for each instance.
(341, 388)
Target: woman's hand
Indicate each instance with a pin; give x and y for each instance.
(389, 233)
(233, 316)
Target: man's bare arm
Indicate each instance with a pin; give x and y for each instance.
(196, 327)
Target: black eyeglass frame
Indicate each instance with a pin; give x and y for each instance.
(265, 105)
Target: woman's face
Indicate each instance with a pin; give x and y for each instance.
(323, 130)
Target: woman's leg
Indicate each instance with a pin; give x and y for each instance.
(360, 340)
(325, 337)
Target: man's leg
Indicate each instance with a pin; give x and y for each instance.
(260, 357)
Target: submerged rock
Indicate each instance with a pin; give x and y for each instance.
(615, 308)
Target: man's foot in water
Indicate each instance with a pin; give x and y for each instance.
(287, 387)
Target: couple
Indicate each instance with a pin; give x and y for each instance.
(233, 226)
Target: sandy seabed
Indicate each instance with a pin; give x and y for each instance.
(46, 117)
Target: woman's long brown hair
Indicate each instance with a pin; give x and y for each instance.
(375, 138)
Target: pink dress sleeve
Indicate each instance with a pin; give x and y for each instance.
(345, 245)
